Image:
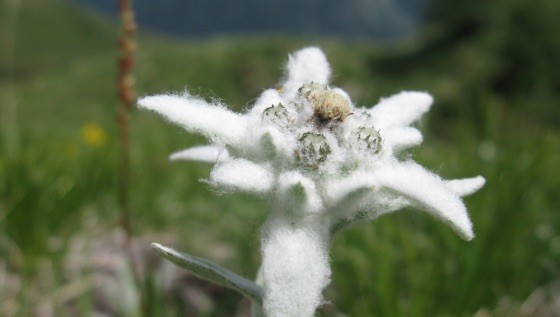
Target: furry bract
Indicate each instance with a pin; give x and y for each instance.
(323, 163)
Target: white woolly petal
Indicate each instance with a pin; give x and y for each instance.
(428, 191)
(359, 194)
(295, 269)
(196, 115)
(204, 153)
(305, 66)
(338, 189)
(384, 202)
(401, 138)
(466, 186)
(401, 109)
(349, 195)
(268, 98)
(299, 193)
(242, 175)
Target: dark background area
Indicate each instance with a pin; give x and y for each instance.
(378, 19)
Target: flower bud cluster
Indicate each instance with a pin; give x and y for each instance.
(321, 125)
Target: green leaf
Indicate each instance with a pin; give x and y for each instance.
(212, 272)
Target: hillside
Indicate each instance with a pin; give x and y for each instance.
(377, 20)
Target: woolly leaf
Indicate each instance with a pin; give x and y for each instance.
(466, 186)
(346, 211)
(196, 115)
(401, 138)
(203, 153)
(401, 109)
(305, 66)
(428, 192)
(242, 175)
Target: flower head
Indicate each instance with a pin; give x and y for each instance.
(325, 161)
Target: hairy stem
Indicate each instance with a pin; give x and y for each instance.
(295, 266)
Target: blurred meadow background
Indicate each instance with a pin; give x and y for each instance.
(492, 67)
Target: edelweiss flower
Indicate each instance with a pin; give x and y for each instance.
(324, 163)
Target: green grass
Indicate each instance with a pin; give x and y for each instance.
(402, 264)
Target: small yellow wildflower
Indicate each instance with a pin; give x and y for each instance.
(93, 135)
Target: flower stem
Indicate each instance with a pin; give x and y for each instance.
(295, 266)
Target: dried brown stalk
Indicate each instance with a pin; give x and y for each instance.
(127, 97)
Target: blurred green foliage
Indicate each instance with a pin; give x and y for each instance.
(491, 67)
(506, 48)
